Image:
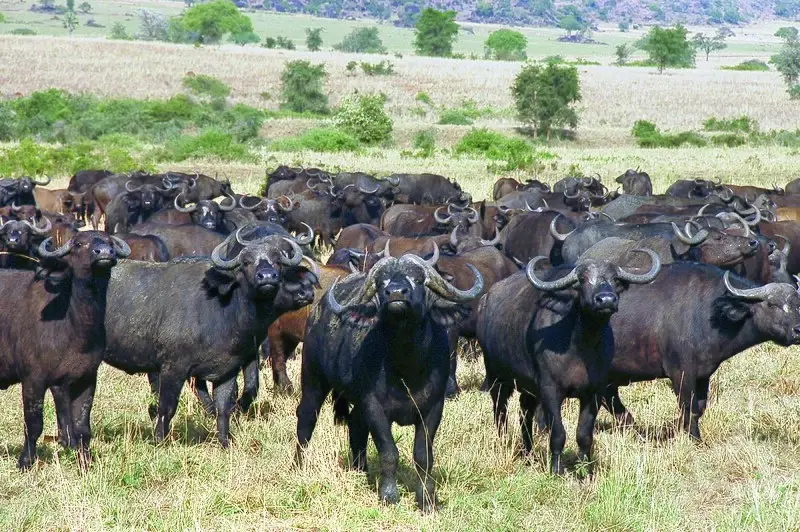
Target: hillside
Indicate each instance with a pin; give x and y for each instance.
(546, 12)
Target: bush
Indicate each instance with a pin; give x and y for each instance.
(454, 117)
(243, 38)
(302, 85)
(384, 68)
(363, 117)
(2, 18)
(320, 139)
(730, 140)
(23, 31)
(32, 158)
(314, 39)
(516, 153)
(425, 143)
(211, 143)
(648, 136)
(85, 7)
(506, 45)
(119, 33)
(422, 97)
(744, 124)
(362, 40)
(751, 65)
(202, 85)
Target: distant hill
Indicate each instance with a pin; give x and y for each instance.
(583, 14)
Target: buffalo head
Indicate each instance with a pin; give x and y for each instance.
(87, 254)
(774, 309)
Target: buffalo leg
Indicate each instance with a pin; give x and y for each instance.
(200, 388)
(613, 403)
(225, 394)
(585, 430)
(154, 380)
(359, 434)
(278, 349)
(82, 393)
(424, 432)
(32, 400)
(66, 425)
(381, 430)
(527, 405)
(685, 387)
(169, 392)
(701, 393)
(314, 394)
(453, 389)
(500, 394)
(552, 401)
(250, 391)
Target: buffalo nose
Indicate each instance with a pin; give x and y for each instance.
(396, 290)
(606, 299)
(104, 249)
(266, 276)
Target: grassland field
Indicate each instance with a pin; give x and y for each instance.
(744, 475)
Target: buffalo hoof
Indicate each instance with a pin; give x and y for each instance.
(152, 411)
(426, 500)
(452, 389)
(557, 466)
(388, 492)
(484, 385)
(24, 463)
(625, 419)
(283, 386)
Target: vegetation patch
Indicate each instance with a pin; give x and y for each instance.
(318, 139)
(33, 158)
(363, 117)
(517, 154)
(751, 65)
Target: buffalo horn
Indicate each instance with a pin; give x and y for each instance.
(758, 293)
(58, 252)
(129, 188)
(554, 232)
(121, 247)
(229, 207)
(178, 208)
(644, 278)
(43, 183)
(686, 239)
(444, 289)
(549, 286)
(440, 219)
(216, 255)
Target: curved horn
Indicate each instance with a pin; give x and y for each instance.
(353, 269)
(439, 218)
(474, 217)
(231, 206)
(726, 217)
(439, 286)
(310, 186)
(756, 218)
(308, 238)
(571, 197)
(56, 253)
(251, 207)
(454, 238)
(283, 206)
(331, 299)
(15, 207)
(587, 181)
(549, 286)
(182, 209)
(121, 247)
(393, 180)
(727, 198)
(686, 239)
(494, 241)
(216, 255)
(703, 209)
(758, 293)
(40, 230)
(365, 190)
(297, 254)
(42, 183)
(554, 232)
(129, 188)
(435, 257)
(644, 278)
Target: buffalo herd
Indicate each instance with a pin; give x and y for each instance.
(571, 290)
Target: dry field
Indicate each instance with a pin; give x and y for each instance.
(744, 476)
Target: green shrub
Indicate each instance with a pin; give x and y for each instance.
(119, 33)
(33, 158)
(730, 140)
(212, 20)
(319, 139)
(648, 136)
(22, 31)
(363, 117)
(422, 97)
(744, 124)
(2, 18)
(314, 39)
(362, 40)
(384, 68)
(202, 85)
(516, 153)
(302, 85)
(244, 37)
(210, 143)
(425, 143)
(751, 65)
(454, 117)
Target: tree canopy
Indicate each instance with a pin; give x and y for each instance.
(544, 94)
(506, 45)
(435, 33)
(668, 47)
(212, 20)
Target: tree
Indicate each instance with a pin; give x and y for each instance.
(787, 33)
(119, 33)
(362, 40)
(70, 18)
(314, 39)
(787, 62)
(153, 26)
(85, 7)
(2, 18)
(623, 53)
(214, 19)
(708, 44)
(363, 117)
(435, 33)
(668, 47)
(506, 45)
(301, 87)
(247, 37)
(623, 26)
(544, 94)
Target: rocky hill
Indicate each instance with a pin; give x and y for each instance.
(570, 15)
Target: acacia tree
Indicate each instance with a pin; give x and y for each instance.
(212, 20)
(435, 33)
(787, 62)
(668, 47)
(314, 39)
(709, 44)
(544, 94)
(70, 18)
(506, 45)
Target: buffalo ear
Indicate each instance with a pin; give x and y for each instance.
(730, 310)
(217, 281)
(449, 315)
(679, 248)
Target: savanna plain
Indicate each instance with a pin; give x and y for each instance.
(745, 474)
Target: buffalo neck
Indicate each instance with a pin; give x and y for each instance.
(406, 344)
(732, 341)
(250, 318)
(87, 301)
